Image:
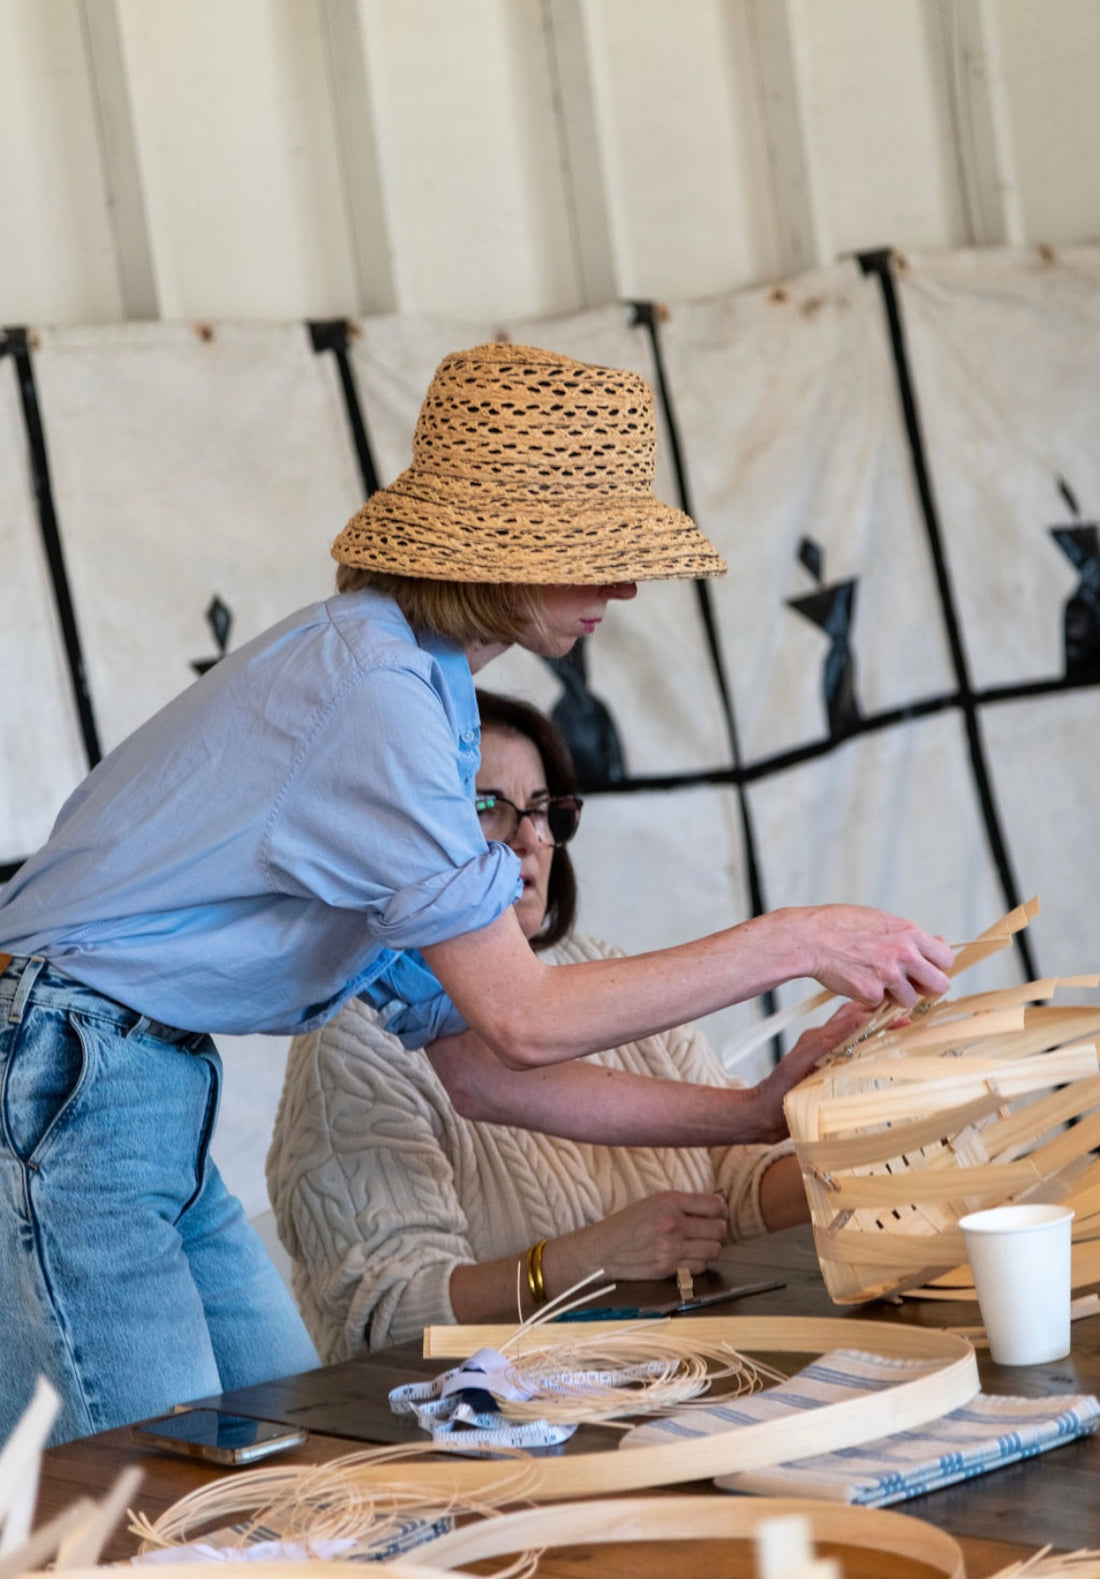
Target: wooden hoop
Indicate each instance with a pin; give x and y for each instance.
(696, 1518)
(856, 1420)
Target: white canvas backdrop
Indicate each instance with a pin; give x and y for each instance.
(655, 869)
(1046, 767)
(41, 752)
(1005, 349)
(787, 406)
(786, 399)
(890, 820)
(186, 465)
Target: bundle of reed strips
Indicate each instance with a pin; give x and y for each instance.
(317, 1506)
(1049, 1564)
(976, 1102)
(638, 1370)
(629, 1369)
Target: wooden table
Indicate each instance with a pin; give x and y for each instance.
(1053, 1499)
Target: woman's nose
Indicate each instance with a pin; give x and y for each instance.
(620, 591)
(525, 839)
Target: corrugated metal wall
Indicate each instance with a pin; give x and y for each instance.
(512, 158)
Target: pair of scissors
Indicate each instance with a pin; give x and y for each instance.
(674, 1307)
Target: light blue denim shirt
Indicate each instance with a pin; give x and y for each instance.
(270, 843)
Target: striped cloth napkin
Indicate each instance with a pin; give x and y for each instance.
(987, 1432)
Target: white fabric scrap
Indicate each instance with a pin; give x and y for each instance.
(260, 1552)
(245, 1543)
(443, 1405)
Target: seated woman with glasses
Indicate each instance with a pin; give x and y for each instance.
(398, 1213)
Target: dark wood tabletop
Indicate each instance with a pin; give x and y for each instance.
(1053, 1498)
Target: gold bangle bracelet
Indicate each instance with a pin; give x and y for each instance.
(532, 1262)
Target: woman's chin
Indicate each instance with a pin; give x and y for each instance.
(549, 646)
(529, 918)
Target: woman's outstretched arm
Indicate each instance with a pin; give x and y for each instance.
(586, 1102)
(531, 1014)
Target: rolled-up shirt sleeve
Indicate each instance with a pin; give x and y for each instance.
(377, 815)
(410, 1002)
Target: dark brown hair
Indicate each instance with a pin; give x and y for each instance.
(514, 717)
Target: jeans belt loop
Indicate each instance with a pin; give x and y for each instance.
(23, 991)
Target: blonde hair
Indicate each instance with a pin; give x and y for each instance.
(464, 611)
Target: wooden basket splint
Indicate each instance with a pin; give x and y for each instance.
(978, 1102)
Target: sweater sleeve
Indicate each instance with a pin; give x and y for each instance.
(684, 1053)
(363, 1189)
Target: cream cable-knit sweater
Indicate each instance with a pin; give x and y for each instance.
(380, 1189)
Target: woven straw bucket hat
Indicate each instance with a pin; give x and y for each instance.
(529, 467)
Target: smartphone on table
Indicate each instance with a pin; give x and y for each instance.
(217, 1436)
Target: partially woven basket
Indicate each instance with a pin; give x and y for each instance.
(977, 1102)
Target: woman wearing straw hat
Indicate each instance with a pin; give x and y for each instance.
(216, 873)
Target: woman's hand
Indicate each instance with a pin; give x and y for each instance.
(870, 955)
(533, 1014)
(650, 1239)
(811, 1047)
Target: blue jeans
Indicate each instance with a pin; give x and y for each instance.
(128, 1273)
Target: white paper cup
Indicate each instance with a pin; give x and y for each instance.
(1020, 1257)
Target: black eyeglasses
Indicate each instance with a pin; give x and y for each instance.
(555, 819)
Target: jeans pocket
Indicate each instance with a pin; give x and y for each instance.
(203, 1159)
(46, 1070)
